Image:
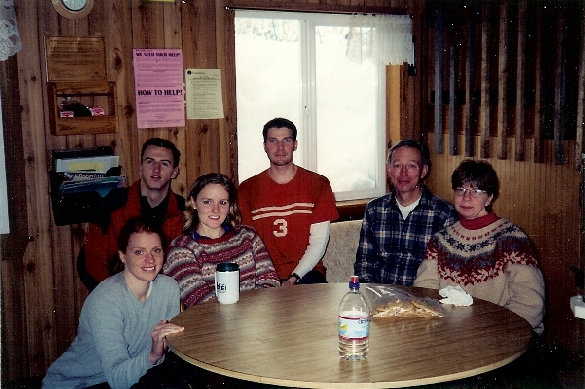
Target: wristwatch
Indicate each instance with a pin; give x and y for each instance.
(296, 276)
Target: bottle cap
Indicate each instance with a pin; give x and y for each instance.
(227, 266)
(354, 282)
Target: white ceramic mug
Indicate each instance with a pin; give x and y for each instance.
(227, 282)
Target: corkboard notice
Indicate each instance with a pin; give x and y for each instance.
(75, 58)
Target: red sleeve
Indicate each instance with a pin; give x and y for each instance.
(325, 206)
(99, 249)
(243, 203)
(172, 228)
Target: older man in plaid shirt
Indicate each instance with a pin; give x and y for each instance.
(397, 226)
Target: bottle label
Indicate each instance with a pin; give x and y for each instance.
(353, 326)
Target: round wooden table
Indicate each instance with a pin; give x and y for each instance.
(287, 336)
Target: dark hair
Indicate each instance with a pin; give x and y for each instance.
(478, 174)
(134, 225)
(167, 144)
(279, 123)
(423, 150)
(234, 216)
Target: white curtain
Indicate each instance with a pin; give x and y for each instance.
(384, 39)
(9, 39)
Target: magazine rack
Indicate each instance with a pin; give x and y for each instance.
(79, 207)
(86, 203)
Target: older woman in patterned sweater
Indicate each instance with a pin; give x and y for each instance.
(212, 234)
(490, 257)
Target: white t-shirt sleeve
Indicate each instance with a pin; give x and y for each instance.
(318, 239)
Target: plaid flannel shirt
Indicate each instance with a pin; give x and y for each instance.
(391, 248)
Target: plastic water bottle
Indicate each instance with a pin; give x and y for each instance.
(354, 323)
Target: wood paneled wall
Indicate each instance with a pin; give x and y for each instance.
(503, 81)
(41, 293)
(40, 316)
(500, 88)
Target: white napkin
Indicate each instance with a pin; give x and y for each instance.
(455, 295)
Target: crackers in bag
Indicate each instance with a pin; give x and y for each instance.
(406, 308)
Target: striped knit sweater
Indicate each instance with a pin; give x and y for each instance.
(192, 263)
(490, 258)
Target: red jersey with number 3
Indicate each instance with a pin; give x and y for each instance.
(282, 214)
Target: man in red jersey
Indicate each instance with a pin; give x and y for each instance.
(290, 207)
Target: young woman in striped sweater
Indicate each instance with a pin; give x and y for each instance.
(212, 234)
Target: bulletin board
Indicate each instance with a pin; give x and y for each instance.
(75, 58)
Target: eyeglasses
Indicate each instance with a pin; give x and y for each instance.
(475, 193)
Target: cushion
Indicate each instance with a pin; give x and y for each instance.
(340, 254)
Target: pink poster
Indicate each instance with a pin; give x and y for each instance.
(158, 80)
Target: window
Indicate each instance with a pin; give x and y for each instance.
(303, 67)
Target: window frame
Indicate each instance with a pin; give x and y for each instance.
(309, 21)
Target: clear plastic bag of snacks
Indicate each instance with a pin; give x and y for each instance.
(388, 301)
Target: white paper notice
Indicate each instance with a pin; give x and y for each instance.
(158, 79)
(203, 89)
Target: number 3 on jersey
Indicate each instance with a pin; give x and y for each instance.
(281, 229)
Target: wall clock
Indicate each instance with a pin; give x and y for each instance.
(73, 9)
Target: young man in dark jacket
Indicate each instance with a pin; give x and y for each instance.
(151, 196)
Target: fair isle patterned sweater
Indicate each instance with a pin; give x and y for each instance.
(490, 258)
(192, 260)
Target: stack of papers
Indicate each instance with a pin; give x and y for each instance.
(95, 170)
(101, 185)
(98, 164)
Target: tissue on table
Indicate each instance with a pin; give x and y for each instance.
(455, 295)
